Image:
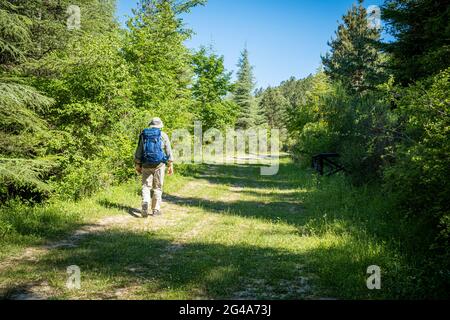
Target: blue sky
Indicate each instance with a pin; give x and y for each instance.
(284, 37)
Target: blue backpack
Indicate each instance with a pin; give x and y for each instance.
(153, 151)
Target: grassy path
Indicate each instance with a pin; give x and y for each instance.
(226, 233)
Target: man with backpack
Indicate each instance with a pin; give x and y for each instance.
(153, 155)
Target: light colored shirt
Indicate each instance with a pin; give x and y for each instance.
(166, 146)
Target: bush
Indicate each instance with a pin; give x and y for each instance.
(315, 138)
(355, 126)
(419, 176)
(83, 179)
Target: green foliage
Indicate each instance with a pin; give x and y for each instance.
(324, 117)
(218, 115)
(211, 86)
(295, 105)
(83, 177)
(19, 105)
(355, 59)
(273, 104)
(386, 135)
(360, 131)
(91, 85)
(25, 178)
(23, 133)
(422, 34)
(249, 115)
(418, 177)
(47, 22)
(303, 100)
(15, 37)
(314, 138)
(160, 61)
(212, 80)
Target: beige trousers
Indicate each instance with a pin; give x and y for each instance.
(152, 186)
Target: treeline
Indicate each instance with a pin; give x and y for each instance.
(75, 91)
(385, 108)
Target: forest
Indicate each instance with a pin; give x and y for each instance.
(73, 101)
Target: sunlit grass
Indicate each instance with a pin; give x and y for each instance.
(228, 233)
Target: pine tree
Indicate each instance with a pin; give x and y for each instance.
(81, 69)
(257, 113)
(355, 59)
(422, 32)
(243, 93)
(273, 105)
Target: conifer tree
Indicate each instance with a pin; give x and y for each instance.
(422, 32)
(23, 133)
(355, 58)
(273, 106)
(243, 93)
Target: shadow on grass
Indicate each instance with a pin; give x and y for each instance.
(289, 176)
(149, 267)
(285, 205)
(134, 212)
(290, 212)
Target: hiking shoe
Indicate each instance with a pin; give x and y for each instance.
(145, 210)
(157, 212)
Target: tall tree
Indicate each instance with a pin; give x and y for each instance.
(243, 93)
(23, 132)
(303, 100)
(160, 60)
(212, 84)
(422, 32)
(355, 58)
(86, 74)
(273, 105)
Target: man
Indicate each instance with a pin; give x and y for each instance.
(153, 154)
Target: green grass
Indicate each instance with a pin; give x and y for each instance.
(226, 233)
(22, 226)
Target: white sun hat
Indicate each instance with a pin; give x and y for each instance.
(156, 123)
